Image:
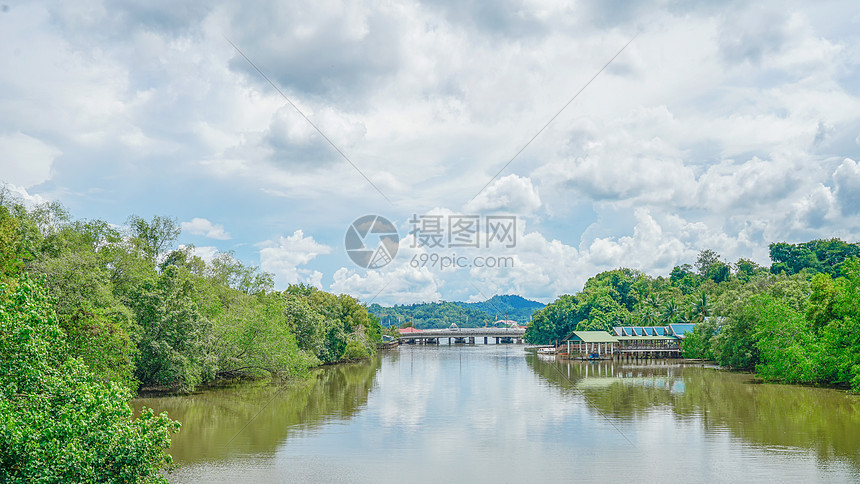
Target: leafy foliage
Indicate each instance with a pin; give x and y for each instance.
(119, 308)
(825, 256)
(58, 422)
(798, 322)
(175, 337)
(326, 324)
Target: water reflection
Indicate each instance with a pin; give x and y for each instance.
(494, 413)
(775, 417)
(260, 416)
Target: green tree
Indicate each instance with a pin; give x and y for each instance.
(735, 345)
(553, 322)
(784, 341)
(58, 422)
(153, 237)
(826, 256)
(835, 310)
(684, 278)
(701, 307)
(698, 344)
(671, 311)
(175, 338)
(745, 269)
(253, 338)
(98, 327)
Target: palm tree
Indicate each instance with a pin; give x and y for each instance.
(648, 317)
(702, 308)
(671, 311)
(653, 300)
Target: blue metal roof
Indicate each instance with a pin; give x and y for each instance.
(650, 331)
(681, 329)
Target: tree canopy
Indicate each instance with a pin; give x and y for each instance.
(90, 312)
(798, 322)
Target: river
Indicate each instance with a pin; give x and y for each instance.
(496, 413)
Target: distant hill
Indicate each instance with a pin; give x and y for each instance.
(464, 315)
(512, 307)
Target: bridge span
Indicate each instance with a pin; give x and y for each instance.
(464, 336)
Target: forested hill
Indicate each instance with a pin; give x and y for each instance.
(516, 308)
(442, 314)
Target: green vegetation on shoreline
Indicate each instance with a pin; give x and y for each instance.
(89, 312)
(796, 322)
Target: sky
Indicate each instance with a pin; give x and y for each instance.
(615, 134)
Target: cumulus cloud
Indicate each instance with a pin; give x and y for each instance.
(743, 184)
(725, 127)
(540, 267)
(335, 49)
(511, 193)
(285, 257)
(398, 285)
(202, 226)
(814, 210)
(26, 161)
(294, 141)
(846, 179)
(21, 193)
(624, 160)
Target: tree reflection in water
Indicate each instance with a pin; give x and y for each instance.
(775, 417)
(272, 412)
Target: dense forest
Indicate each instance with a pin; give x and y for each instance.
(89, 312)
(464, 315)
(510, 307)
(795, 321)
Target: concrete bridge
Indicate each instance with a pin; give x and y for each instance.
(464, 336)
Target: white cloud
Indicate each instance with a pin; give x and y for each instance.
(207, 253)
(511, 194)
(398, 285)
(719, 126)
(202, 226)
(25, 161)
(748, 184)
(284, 258)
(846, 179)
(625, 160)
(28, 199)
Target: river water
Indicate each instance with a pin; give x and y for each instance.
(496, 413)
